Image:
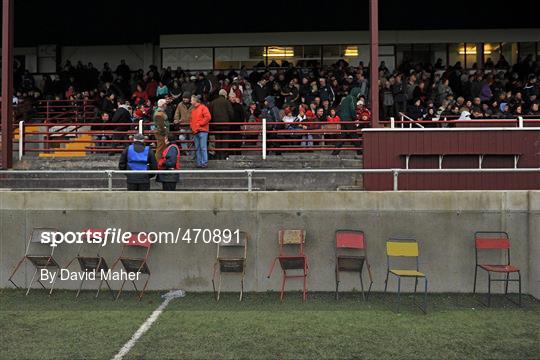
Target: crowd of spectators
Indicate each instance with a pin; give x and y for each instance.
(296, 95)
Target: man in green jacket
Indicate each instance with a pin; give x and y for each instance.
(347, 113)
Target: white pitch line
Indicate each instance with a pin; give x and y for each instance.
(144, 328)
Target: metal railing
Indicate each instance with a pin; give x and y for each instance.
(250, 172)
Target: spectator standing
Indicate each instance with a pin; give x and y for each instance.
(200, 118)
(170, 160)
(138, 157)
(347, 113)
(161, 124)
(182, 117)
(222, 112)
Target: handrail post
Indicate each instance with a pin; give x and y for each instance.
(109, 180)
(392, 122)
(250, 180)
(141, 126)
(396, 174)
(21, 139)
(520, 122)
(263, 129)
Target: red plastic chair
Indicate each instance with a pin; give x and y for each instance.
(134, 265)
(296, 261)
(354, 243)
(495, 240)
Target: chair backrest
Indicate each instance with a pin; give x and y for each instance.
(35, 244)
(289, 238)
(235, 243)
(492, 240)
(135, 241)
(88, 242)
(350, 239)
(402, 247)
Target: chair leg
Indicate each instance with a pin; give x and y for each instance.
(362, 287)
(80, 287)
(135, 286)
(241, 287)
(519, 284)
(219, 286)
(475, 274)
(144, 288)
(425, 294)
(304, 294)
(489, 289)
(506, 284)
(120, 291)
(337, 283)
(386, 281)
(284, 277)
(99, 287)
(398, 292)
(31, 281)
(415, 284)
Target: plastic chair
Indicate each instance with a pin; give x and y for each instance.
(495, 240)
(404, 247)
(135, 265)
(353, 242)
(296, 261)
(229, 263)
(40, 255)
(91, 263)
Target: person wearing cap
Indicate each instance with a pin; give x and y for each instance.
(222, 112)
(182, 117)
(161, 124)
(170, 160)
(138, 157)
(200, 118)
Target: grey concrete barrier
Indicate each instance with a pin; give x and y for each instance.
(443, 222)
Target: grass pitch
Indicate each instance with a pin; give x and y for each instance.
(260, 327)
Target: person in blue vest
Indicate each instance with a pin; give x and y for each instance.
(170, 160)
(138, 157)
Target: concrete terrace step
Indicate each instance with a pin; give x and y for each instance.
(195, 181)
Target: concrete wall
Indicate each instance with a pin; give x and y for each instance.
(443, 222)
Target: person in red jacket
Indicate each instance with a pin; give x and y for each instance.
(200, 118)
(333, 117)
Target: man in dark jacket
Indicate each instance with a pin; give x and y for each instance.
(347, 113)
(135, 157)
(169, 160)
(222, 112)
(121, 116)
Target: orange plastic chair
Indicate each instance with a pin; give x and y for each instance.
(354, 243)
(40, 255)
(90, 263)
(495, 240)
(227, 262)
(291, 261)
(135, 264)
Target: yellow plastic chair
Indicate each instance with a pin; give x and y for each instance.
(404, 247)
